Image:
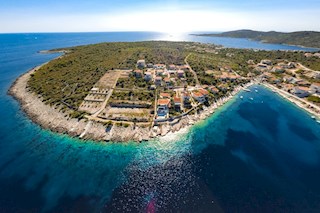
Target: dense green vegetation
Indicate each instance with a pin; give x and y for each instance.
(313, 98)
(133, 83)
(135, 95)
(237, 59)
(66, 81)
(302, 38)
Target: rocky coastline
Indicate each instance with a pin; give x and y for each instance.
(50, 118)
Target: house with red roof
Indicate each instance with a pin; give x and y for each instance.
(199, 97)
(165, 95)
(203, 92)
(164, 102)
(163, 107)
(177, 103)
(213, 89)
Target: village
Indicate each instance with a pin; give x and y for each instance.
(291, 77)
(149, 94)
(154, 94)
(293, 81)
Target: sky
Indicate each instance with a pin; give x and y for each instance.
(155, 15)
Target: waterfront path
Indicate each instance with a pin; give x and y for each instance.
(296, 100)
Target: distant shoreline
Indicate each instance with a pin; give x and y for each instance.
(271, 37)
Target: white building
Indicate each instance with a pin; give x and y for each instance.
(180, 73)
(141, 63)
(266, 62)
(199, 97)
(148, 76)
(315, 88)
(159, 66)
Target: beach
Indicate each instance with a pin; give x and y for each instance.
(307, 106)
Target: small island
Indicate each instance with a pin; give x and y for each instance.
(135, 91)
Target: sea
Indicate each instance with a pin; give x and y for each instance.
(258, 153)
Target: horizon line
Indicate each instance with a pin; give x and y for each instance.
(146, 31)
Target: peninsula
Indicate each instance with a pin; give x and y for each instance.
(136, 91)
(301, 38)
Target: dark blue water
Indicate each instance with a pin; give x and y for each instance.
(259, 155)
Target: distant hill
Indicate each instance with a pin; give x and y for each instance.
(301, 38)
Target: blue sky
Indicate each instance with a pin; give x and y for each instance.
(166, 15)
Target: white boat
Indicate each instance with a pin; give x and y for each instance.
(313, 117)
(318, 121)
(247, 90)
(251, 99)
(256, 90)
(241, 96)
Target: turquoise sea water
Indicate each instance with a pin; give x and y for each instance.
(259, 155)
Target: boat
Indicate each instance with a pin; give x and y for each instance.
(241, 96)
(251, 99)
(318, 121)
(313, 117)
(256, 90)
(247, 90)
